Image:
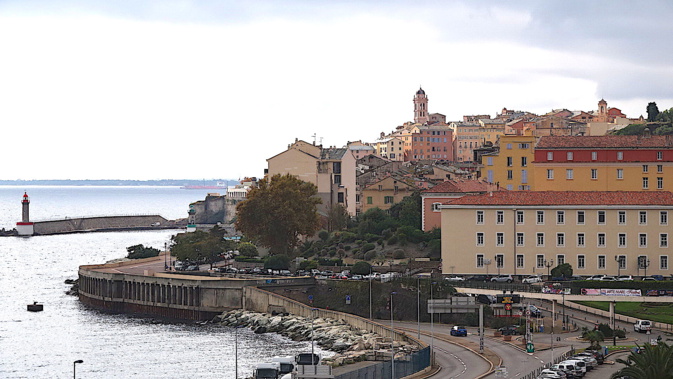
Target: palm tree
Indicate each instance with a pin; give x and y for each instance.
(595, 337)
(653, 362)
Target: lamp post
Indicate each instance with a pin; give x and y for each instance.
(646, 263)
(74, 368)
(392, 339)
(619, 266)
(563, 295)
(432, 320)
(165, 256)
(548, 264)
(370, 290)
(418, 305)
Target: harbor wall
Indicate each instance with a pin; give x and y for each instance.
(166, 295)
(82, 224)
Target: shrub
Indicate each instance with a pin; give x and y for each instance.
(140, 251)
(347, 247)
(277, 262)
(361, 268)
(620, 333)
(392, 240)
(605, 329)
(371, 237)
(359, 255)
(368, 247)
(379, 241)
(247, 249)
(308, 265)
(323, 235)
(399, 254)
(370, 255)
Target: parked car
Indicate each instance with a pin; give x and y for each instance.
(486, 299)
(654, 277)
(552, 374)
(534, 311)
(454, 279)
(607, 278)
(596, 277)
(502, 279)
(532, 279)
(642, 326)
(477, 278)
(625, 278)
(192, 268)
(458, 331)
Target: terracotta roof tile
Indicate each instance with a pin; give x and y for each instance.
(567, 198)
(459, 186)
(604, 142)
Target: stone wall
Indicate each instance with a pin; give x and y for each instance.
(73, 225)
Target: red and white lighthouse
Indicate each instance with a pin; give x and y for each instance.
(25, 227)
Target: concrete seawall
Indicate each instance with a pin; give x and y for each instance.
(107, 223)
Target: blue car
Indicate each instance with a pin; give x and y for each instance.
(459, 331)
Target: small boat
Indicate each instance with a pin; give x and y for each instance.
(35, 307)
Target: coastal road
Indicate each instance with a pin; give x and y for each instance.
(455, 360)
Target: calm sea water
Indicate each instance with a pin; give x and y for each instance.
(45, 344)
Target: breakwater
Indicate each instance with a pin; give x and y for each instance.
(103, 223)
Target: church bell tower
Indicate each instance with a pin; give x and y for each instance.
(421, 107)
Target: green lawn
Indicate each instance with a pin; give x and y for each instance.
(659, 312)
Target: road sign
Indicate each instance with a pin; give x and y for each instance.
(508, 307)
(530, 348)
(310, 299)
(348, 299)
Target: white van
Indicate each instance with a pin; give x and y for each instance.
(581, 365)
(642, 326)
(568, 367)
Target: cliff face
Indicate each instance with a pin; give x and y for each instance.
(214, 209)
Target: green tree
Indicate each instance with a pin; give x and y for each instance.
(564, 270)
(140, 251)
(361, 268)
(247, 249)
(408, 211)
(278, 212)
(595, 337)
(277, 262)
(652, 111)
(199, 246)
(337, 218)
(653, 362)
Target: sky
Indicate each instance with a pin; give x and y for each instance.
(158, 89)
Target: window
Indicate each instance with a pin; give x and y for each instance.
(660, 183)
(580, 240)
(601, 217)
(660, 168)
(510, 162)
(581, 261)
(500, 239)
(663, 262)
(569, 173)
(435, 207)
(601, 240)
(510, 175)
(369, 199)
(500, 217)
(646, 183)
(594, 155)
(560, 239)
(569, 155)
(646, 168)
(580, 217)
(480, 239)
(560, 259)
(642, 217)
(524, 176)
(510, 187)
(540, 239)
(621, 262)
(594, 173)
(480, 260)
(621, 218)
(524, 161)
(643, 262)
(489, 176)
(499, 261)
(480, 217)
(621, 240)
(601, 262)
(660, 155)
(524, 146)
(550, 156)
(489, 161)
(519, 217)
(340, 197)
(539, 260)
(540, 217)
(663, 218)
(663, 240)
(550, 173)
(620, 173)
(509, 146)
(519, 239)
(560, 217)
(642, 240)
(620, 155)
(519, 261)
(388, 200)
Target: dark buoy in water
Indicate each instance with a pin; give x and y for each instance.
(35, 307)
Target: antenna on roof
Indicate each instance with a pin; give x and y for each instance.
(313, 135)
(320, 141)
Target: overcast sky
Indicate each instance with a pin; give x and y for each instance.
(143, 89)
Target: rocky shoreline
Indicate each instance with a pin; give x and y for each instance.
(350, 344)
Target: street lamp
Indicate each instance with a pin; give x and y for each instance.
(563, 295)
(165, 256)
(418, 304)
(548, 264)
(370, 290)
(432, 319)
(392, 338)
(74, 368)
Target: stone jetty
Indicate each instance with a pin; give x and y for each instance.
(350, 344)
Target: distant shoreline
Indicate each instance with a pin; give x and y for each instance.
(118, 182)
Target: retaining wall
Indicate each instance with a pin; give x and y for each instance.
(72, 225)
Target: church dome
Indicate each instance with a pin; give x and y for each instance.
(420, 92)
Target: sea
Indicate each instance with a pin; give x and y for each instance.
(46, 344)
